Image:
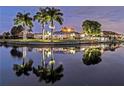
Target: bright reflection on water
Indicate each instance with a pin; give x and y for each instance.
(100, 64)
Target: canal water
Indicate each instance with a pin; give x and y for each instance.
(78, 65)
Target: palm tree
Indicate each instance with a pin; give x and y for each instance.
(25, 21)
(42, 17)
(54, 15)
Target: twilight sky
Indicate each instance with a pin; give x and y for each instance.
(111, 17)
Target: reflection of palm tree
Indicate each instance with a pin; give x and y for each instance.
(25, 67)
(43, 57)
(48, 72)
(91, 56)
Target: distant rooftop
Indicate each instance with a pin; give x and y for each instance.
(67, 29)
(61, 32)
(110, 33)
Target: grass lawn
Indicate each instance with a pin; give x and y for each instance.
(37, 40)
(45, 41)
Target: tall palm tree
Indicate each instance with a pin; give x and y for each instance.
(42, 17)
(54, 15)
(25, 21)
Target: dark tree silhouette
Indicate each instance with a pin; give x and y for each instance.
(16, 53)
(23, 68)
(48, 73)
(92, 56)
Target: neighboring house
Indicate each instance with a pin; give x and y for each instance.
(111, 35)
(38, 35)
(28, 34)
(105, 36)
(67, 29)
(66, 35)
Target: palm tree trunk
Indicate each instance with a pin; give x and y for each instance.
(24, 49)
(43, 31)
(52, 29)
(52, 58)
(43, 58)
(24, 32)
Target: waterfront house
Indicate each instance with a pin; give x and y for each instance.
(28, 34)
(66, 33)
(110, 35)
(37, 35)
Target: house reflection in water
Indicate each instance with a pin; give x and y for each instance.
(91, 54)
(75, 49)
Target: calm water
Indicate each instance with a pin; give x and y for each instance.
(84, 65)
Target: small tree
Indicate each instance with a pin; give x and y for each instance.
(91, 27)
(16, 30)
(6, 35)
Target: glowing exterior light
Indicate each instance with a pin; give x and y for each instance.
(102, 50)
(82, 49)
(48, 53)
(49, 33)
(72, 51)
(52, 61)
(67, 29)
(82, 35)
(51, 27)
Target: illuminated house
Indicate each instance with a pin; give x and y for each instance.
(66, 33)
(67, 29)
(28, 34)
(37, 35)
(104, 36)
(109, 35)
